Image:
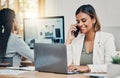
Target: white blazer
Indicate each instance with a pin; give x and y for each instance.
(103, 50)
(16, 48)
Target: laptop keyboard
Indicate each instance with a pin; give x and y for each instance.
(73, 72)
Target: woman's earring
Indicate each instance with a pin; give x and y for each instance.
(2, 29)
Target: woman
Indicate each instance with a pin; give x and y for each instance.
(12, 45)
(92, 49)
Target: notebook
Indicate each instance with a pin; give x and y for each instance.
(51, 58)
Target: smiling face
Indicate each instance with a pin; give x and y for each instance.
(85, 22)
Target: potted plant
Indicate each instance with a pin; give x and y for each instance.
(116, 59)
(114, 68)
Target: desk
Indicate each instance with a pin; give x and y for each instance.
(36, 74)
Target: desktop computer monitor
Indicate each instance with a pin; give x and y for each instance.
(44, 30)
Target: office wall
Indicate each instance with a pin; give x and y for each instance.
(108, 11)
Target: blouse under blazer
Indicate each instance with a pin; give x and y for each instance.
(103, 50)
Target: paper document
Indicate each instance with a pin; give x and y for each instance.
(11, 72)
(101, 75)
(28, 68)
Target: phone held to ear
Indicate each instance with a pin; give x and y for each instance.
(77, 31)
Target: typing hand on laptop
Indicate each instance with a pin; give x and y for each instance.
(78, 68)
(72, 69)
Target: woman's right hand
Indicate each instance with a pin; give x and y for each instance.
(78, 68)
(70, 35)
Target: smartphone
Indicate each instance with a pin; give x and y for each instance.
(77, 31)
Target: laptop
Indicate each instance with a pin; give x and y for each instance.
(51, 58)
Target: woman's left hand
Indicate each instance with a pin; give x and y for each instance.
(79, 68)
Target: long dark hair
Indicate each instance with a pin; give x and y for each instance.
(88, 9)
(6, 22)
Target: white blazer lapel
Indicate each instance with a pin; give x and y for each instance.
(96, 49)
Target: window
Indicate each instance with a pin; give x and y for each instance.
(24, 9)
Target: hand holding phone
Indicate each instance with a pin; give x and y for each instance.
(72, 33)
(77, 31)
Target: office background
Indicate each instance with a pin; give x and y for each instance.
(108, 11)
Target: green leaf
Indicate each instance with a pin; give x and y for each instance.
(116, 59)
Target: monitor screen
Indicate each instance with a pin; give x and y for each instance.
(44, 30)
(116, 33)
